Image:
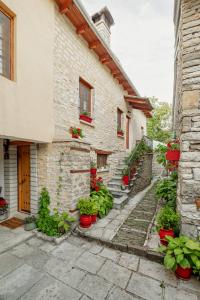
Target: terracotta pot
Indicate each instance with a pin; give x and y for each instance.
(163, 233)
(75, 136)
(85, 221)
(94, 218)
(197, 203)
(125, 179)
(85, 118)
(93, 171)
(173, 155)
(184, 274)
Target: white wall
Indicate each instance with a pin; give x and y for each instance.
(138, 120)
(1, 168)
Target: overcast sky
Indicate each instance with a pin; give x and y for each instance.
(143, 40)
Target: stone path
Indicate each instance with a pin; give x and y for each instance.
(77, 269)
(135, 228)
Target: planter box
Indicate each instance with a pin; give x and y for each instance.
(55, 240)
(173, 155)
(85, 118)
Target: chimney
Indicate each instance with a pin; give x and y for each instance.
(103, 20)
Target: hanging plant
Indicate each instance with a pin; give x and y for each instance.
(76, 132)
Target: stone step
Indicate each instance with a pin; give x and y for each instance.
(120, 202)
(115, 184)
(118, 191)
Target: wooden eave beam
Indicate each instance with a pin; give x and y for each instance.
(94, 44)
(64, 7)
(82, 29)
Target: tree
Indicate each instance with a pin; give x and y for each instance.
(159, 126)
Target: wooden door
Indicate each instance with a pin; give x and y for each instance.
(23, 155)
(127, 131)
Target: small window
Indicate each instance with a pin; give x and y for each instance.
(102, 161)
(119, 119)
(85, 94)
(6, 43)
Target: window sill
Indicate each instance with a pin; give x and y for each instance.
(103, 170)
(86, 123)
(120, 136)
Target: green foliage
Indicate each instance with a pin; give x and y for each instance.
(166, 190)
(54, 224)
(125, 171)
(181, 251)
(161, 155)
(137, 153)
(87, 207)
(93, 165)
(167, 218)
(158, 127)
(104, 200)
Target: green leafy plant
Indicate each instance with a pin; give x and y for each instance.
(85, 113)
(160, 152)
(174, 146)
(125, 172)
(52, 224)
(87, 207)
(30, 219)
(166, 190)
(93, 165)
(104, 200)
(76, 131)
(167, 218)
(181, 251)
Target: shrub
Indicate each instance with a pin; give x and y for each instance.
(167, 218)
(166, 190)
(87, 207)
(104, 200)
(161, 154)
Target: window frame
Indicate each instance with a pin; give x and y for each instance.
(8, 13)
(102, 166)
(90, 88)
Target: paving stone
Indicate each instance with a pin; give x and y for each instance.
(129, 261)
(8, 263)
(144, 287)
(108, 234)
(113, 213)
(57, 267)
(102, 223)
(35, 242)
(47, 247)
(176, 294)
(95, 287)
(119, 294)
(49, 288)
(115, 274)
(85, 298)
(75, 240)
(22, 250)
(157, 271)
(95, 249)
(90, 262)
(37, 259)
(96, 233)
(192, 284)
(18, 282)
(110, 254)
(67, 252)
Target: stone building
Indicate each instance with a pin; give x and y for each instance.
(187, 109)
(55, 64)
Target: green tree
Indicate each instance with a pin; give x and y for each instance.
(159, 126)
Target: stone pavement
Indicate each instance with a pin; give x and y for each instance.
(77, 269)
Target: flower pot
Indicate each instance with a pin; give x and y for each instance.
(184, 274)
(29, 226)
(125, 179)
(94, 219)
(197, 203)
(3, 216)
(163, 233)
(85, 118)
(173, 155)
(85, 221)
(120, 133)
(75, 136)
(93, 171)
(97, 188)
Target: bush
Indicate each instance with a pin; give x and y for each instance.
(166, 190)
(87, 207)
(161, 154)
(167, 218)
(55, 224)
(104, 200)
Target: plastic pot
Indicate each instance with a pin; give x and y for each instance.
(184, 274)
(163, 233)
(173, 155)
(85, 221)
(85, 118)
(29, 226)
(125, 179)
(94, 218)
(93, 171)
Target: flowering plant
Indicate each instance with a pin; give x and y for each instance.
(96, 183)
(76, 131)
(3, 206)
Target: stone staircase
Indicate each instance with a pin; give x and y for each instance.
(121, 196)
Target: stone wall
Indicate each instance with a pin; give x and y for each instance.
(1, 168)
(187, 111)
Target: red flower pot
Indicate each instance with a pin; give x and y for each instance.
(173, 155)
(85, 221)
(94, 219)
(184, 274)
(163, 233)
(75, 136)
(93, 171)
(85, 118)
(120, 133)
(125, 179)
(97, 188)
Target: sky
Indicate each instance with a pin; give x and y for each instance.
(143, 40)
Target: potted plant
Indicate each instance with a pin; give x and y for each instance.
(85, 116)
(120, 132)
(94, 210)
(85, 207)
(173, 151)
(93, 168)
(167, 220)
(125, 177)
(197, 201)
(181, 255)
(76, 132)
(3, 209)
(30, 223)
(96, 183)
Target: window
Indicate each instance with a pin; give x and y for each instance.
(102, 161)
(119, 119)
(6, 43)
(85, 94)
